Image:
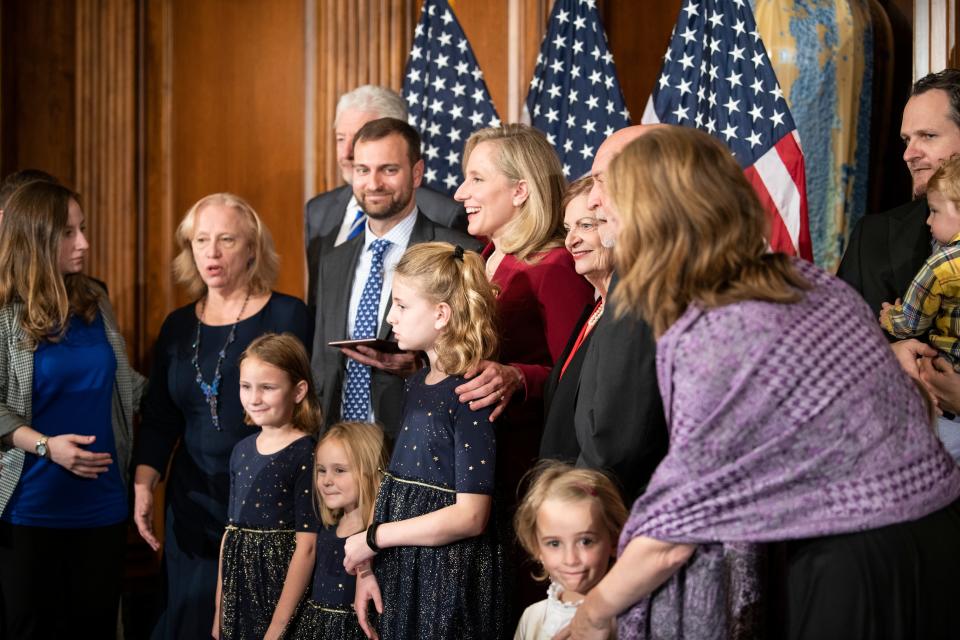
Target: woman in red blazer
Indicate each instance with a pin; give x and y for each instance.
(512, 192)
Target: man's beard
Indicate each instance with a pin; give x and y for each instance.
(390, 210)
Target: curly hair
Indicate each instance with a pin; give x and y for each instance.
(555, 480)
(523, 153)
(287, 353)
(263, 268)
(367, 456)
(447, 274)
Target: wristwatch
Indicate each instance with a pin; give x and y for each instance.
(42, 449)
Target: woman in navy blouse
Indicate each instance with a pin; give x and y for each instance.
(67, 396)
(227, 261)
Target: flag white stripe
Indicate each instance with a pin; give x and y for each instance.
(649, 113)
(783, 191)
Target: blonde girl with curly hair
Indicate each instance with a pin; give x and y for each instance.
(437, 564)
(568, 522)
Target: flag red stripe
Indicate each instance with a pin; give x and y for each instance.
(779, 237)
(792, 157)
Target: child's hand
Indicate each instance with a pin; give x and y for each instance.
(356, 551)
(885, 308)
(367, 589)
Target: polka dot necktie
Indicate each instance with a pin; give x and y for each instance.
(357, 384)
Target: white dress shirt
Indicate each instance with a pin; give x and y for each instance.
(349, 215)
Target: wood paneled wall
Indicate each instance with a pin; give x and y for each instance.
(224, 111)
(105, 147)
(351, 43)
(38, 97)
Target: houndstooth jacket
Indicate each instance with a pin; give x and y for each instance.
(16, 388)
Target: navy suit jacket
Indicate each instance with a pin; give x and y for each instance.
(334, 283)
(324, 215)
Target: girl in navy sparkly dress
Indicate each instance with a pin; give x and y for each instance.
(349, 462)
(436, 557)
(267, 552)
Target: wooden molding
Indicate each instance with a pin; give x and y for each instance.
(358, 42)
(935, 36)
(105, 147)
(156, 117)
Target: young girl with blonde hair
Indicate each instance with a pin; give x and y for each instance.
(436, 557)
(267, 551)
(568, 521)
(348, 467)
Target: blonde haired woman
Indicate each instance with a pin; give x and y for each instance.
(789, 420)
(228, 262)
(67, 397)
(512, 190)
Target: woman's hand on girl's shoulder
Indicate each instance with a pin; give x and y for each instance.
(491, 383)
(367, 589)
(356, 551)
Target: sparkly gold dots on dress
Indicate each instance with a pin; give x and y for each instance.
(270, 501)
(457, 590)
(328, 613)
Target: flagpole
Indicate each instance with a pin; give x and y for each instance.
(514, 81)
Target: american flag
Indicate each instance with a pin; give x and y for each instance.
(717, 77)
(574, 97)
(445, 91)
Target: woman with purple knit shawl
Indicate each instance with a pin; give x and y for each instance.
(790, 421)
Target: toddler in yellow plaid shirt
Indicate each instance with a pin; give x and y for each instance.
(932, 302)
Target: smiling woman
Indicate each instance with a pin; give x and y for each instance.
(512, 190)
(228, 262)
(594, 262)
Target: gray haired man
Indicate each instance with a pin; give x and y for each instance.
(334, 217)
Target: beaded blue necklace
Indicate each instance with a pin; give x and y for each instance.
(211, 391)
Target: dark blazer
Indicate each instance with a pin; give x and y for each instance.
(324, 215)
(334, 283)
(885, 252)
(619, 418)
(559, 440)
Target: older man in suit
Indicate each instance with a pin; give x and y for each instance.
(354, 279)
(335, 216)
